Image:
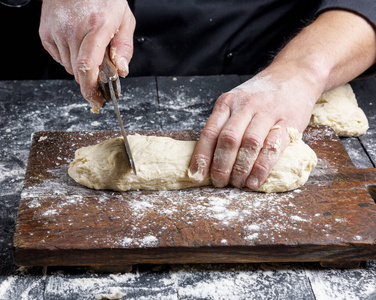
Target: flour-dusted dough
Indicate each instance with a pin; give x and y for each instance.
(339, 109)
(162, 164)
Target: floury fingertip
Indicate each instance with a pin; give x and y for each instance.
(252, 182)
(124, 67)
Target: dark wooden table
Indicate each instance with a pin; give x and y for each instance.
(162, 103)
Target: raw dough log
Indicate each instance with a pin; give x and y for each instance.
(339, 109)
(162, 164)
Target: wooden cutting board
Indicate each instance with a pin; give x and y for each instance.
(60, 223)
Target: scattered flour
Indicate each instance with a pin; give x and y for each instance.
(42, 138)
(113, 296)
(95, 123)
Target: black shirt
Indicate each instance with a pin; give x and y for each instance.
(184, 37)
(206, 37)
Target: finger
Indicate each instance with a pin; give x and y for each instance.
(227, 148)
(122, 44)
(51, 48)
(276, 141)
(205, 147)
(90, 57)
(47, 38)
(65, 56)
(251, 145)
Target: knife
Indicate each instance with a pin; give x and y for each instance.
(109, 85)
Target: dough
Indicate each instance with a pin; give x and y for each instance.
(339, 109)
(162, 164)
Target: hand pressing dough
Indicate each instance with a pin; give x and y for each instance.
(293, 167)
(339, 109)
(162, 164)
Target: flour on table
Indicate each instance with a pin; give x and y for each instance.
(114, 296)
(162, 163)
(339, 109)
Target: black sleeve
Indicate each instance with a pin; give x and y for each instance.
(363, 8)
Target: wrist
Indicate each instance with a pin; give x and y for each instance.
(309, 74)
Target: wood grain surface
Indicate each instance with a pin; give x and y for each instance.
(331, 218)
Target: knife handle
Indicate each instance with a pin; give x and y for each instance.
(108, 73)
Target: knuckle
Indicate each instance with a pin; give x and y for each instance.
(201, 157)
(84, 64)
(252, 141)
(219, 172)
(261, 168)
(210, 132)
(224, 102)
(244, 162)
(270, 147)
(220, 167)
(271, 150)
(229, 138)
(219, 177)
(241, 169)
(96, 20)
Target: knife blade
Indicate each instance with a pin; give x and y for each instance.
(109, 85)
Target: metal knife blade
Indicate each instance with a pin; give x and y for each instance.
(126, 144)
(109, 84)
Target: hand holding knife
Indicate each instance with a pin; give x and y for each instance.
(109, 85)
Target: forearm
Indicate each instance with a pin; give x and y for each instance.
(248, 129)
(337, 47)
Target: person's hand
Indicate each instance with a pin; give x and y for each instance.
(76, 34)
(247, 130)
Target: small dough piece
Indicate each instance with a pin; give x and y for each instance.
(162, 164)
(339, 109)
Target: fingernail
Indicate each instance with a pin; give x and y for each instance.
(124, 67)
(95, 107)
(252, 182)
(236, 182)
(196, 172)
(95, 110)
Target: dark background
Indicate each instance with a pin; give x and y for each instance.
(21, 49)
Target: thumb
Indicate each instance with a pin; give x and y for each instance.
(121, 49)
